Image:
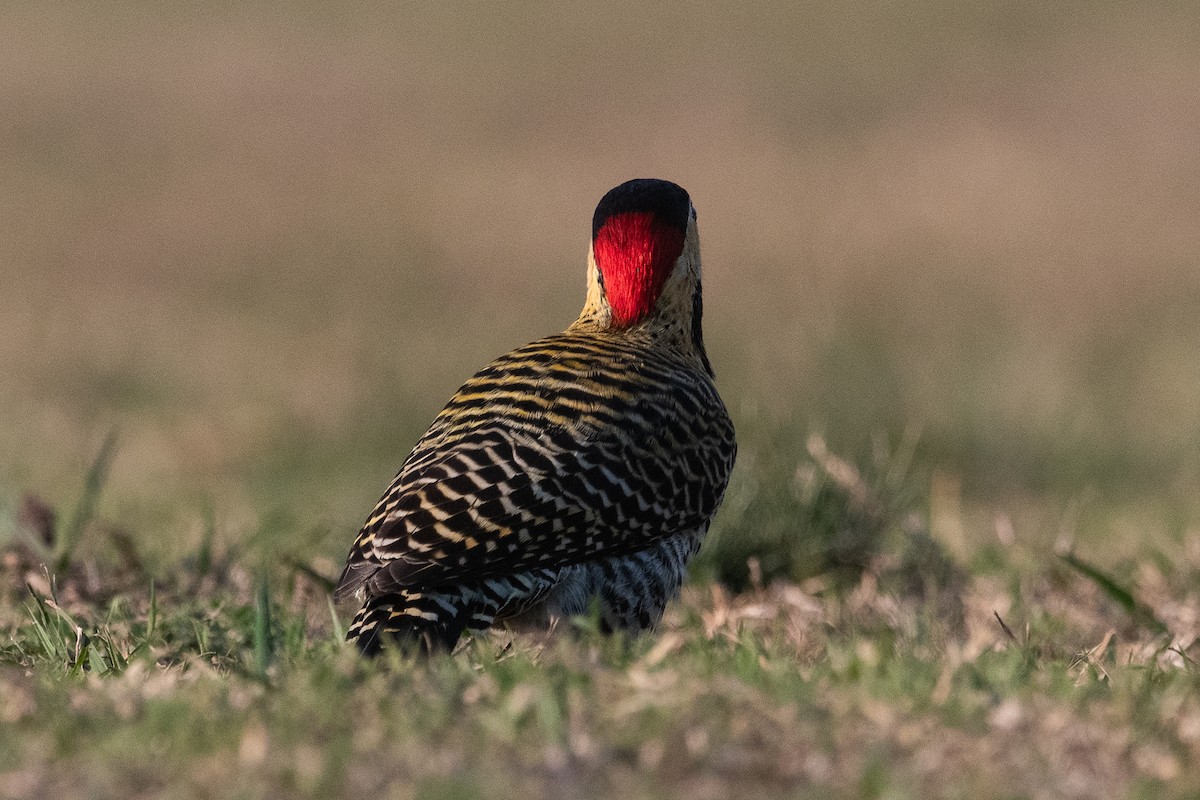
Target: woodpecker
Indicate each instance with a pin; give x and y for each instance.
(583, 468)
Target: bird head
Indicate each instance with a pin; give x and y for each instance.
(645, 256)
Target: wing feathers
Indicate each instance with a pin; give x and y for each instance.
(513, 476)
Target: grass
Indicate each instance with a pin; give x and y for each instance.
(950, 288)
(902, 672)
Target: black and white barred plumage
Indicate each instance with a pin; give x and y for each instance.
(584, 466)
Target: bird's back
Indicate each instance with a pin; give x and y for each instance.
(581, 447)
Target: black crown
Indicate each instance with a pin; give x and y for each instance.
(666, 200)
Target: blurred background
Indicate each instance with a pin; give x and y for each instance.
(265, 242)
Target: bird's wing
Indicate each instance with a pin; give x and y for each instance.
(500, 493)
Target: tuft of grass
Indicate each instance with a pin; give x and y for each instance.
(820, 514)
(55, 636)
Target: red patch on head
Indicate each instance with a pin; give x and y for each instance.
(635, 252)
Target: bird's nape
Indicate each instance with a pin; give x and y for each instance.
(638, 233)
(635, 254)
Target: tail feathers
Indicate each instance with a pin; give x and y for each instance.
(413, 620)
(434, 620)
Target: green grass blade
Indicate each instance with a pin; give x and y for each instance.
(93, 484)
(339, 633)
(326, 583)
(1116, 592)
(152, 617)
(204, 553)
(262, 629)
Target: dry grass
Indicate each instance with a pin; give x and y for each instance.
(1016, 684)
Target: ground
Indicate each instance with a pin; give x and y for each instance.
(950, 295)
